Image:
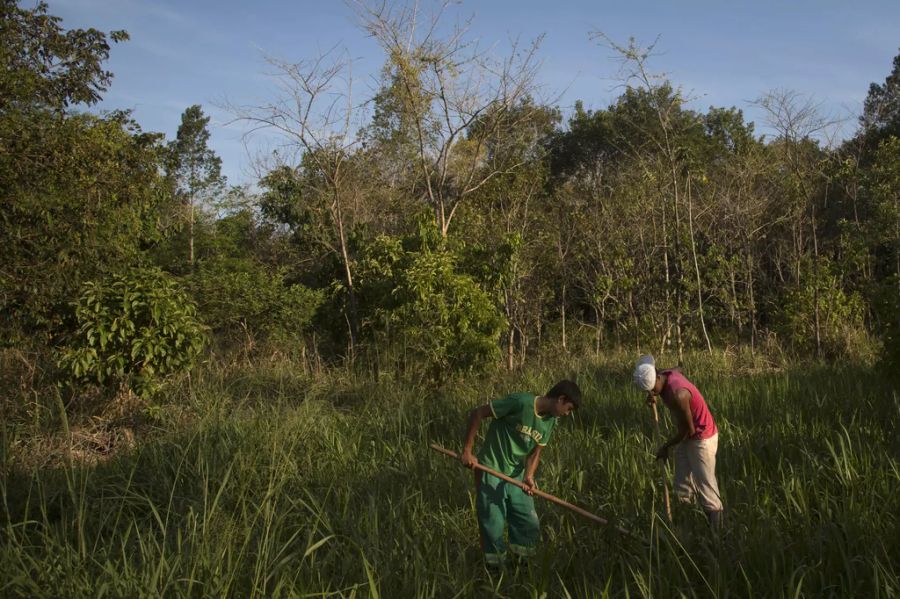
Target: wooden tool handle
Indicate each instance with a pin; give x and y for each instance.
(538, 492)
(662, 467)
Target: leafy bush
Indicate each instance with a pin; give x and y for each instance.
(419, 296)
(887, 310)
(841, 316)
(134, 329)
(242, 299)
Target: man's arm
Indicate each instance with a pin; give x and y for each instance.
(681, 413)
(531, 464)
(476, 415)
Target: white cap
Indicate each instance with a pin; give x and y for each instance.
(645, 373)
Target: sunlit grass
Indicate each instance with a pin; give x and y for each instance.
(283, 486)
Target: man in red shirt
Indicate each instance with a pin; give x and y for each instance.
(695, 441)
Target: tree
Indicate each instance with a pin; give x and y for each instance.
(661, 136)
(800, 162)
(46, 67)
(78, 193)
(740, 210)
(316, 117)
(502, 230)
(881, 109)
(414, 293)
(78, 198)
(884, 188)
(195, 171)
(242, 300)
(448, 99)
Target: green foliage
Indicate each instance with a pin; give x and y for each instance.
(78, 193)
(134, 329)
(240, 298)
(43, 66)
(195, 169)
(726, 130)
(194, 175)
(841, 315)
(444, 315)
(887, 312)
(284, 200)
(418, 296)
(884, 187)
(629, 220)
(881, 109)
(78, 199)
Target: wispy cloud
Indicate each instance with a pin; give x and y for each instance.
(129, 10)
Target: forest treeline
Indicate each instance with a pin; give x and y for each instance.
(452, 221)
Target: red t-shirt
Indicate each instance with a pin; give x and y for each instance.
(704, 425)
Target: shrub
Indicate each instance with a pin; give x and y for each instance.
(841, 316)
(134, 329)
(420, 297)
(887, 311)
(241, 299)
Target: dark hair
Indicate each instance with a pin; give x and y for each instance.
(568, 389)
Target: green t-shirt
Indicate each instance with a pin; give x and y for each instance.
(514, 431)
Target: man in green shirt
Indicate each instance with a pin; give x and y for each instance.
(521, 428)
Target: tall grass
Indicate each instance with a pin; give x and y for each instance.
(282, 486)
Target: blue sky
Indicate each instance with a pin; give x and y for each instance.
(722, 53)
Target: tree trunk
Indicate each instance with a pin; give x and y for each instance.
(634, 320)
(352, 323)
(562, 307)
(679, 296)
(191, 233)
(751, 301)
(736, 318)
(818, 321)
(510, 354)
(523, 345)
(697, 268)
(668, 310)
(897, 237)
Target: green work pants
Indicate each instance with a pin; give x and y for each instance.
(498, 502)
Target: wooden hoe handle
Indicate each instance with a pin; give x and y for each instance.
(538, 492)
(662, 467)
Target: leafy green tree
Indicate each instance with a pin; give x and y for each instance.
(587, 141)
(78, 194)
(134, 329)
(502, 234)
(323, 240)
(881, 110)
(47, 67)
(799, 178)
(78, 198)
(414, 295)
(316, 116)
(884, 188)
(886, 305)
(194, 169)
(820, 316)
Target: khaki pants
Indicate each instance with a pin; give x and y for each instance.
(695, 472)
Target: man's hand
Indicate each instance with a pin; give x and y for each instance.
(468, 459)
(529, 485)
(651, 399)
(662, 453)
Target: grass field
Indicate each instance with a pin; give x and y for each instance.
(269, 484)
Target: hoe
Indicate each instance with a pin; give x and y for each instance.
(539, 493)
